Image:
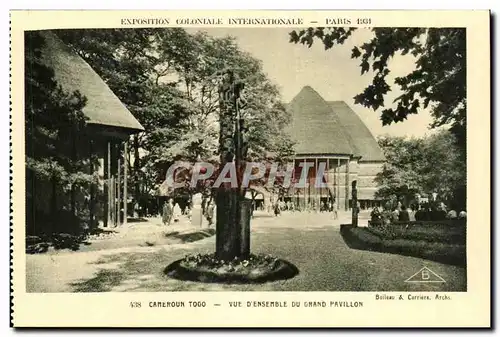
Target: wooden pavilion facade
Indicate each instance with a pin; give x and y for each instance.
(110, 125)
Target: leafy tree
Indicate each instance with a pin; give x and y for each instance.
(168, 80)
(264, 113)
(57, 156)
(134, 67)
(401, 171)
(424, 166)
(438, 82)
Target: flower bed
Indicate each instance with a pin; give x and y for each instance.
(365, 239)
(255, 269)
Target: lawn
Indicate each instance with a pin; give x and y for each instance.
(325, 263)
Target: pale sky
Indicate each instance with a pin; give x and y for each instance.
(332, 73)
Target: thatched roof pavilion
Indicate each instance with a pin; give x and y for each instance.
(331, 132)
(110, 123)
(72, 73)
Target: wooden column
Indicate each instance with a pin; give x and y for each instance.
(105, 187)
(107, 184)
(320, 189)
(112, 184)
(92, 187)
(328, 177)
(125, 177)
(347, 185)
(113, 201)
(337, 196)
(118, 185)
(307, 182)
(316, 196)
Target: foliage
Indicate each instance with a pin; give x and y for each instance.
(437, 82)
(444, 233)
(57, 143)
(54, 120)
(363, 238)
(166, 78)
(129, 62)
(421, 165)
(41, 244)
(207, 268)
(210, 261)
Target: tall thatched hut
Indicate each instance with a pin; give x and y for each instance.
(332, 133)
(109, 126)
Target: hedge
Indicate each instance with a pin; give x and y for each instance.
(364, 238)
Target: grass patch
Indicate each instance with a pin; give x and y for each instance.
(414, 243)
(104, 281)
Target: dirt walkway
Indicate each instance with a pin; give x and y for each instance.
(324, 260)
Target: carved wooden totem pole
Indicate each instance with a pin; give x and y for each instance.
(233, 230)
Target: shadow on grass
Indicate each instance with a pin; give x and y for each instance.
(133, 272)
(140, 270)
(361, 239)
(191, 236)
(103, 281)
(135, 220)
(256, 216)
(99, 231)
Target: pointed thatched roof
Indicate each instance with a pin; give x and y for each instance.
(362, 141)
(320, 127)
(314, 128)
(74, 74)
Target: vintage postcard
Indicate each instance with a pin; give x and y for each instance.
(250, 168)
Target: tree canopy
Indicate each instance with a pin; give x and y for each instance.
(57, 146)
(422, 165)
(438, 81)
(166, 79)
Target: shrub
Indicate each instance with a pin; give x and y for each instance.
(443, 234)
(389, 242)
(42, 243)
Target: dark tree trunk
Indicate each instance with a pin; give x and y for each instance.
(228, 240)
(232, 230)
(355, 209)
(246, 209)
(137, 186)
(233, 225)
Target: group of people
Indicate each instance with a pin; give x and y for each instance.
(209, 211)
(432, 212)
(325, 206)
(172, 212)
(417, 212)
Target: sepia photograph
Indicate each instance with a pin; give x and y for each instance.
(246, 159)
